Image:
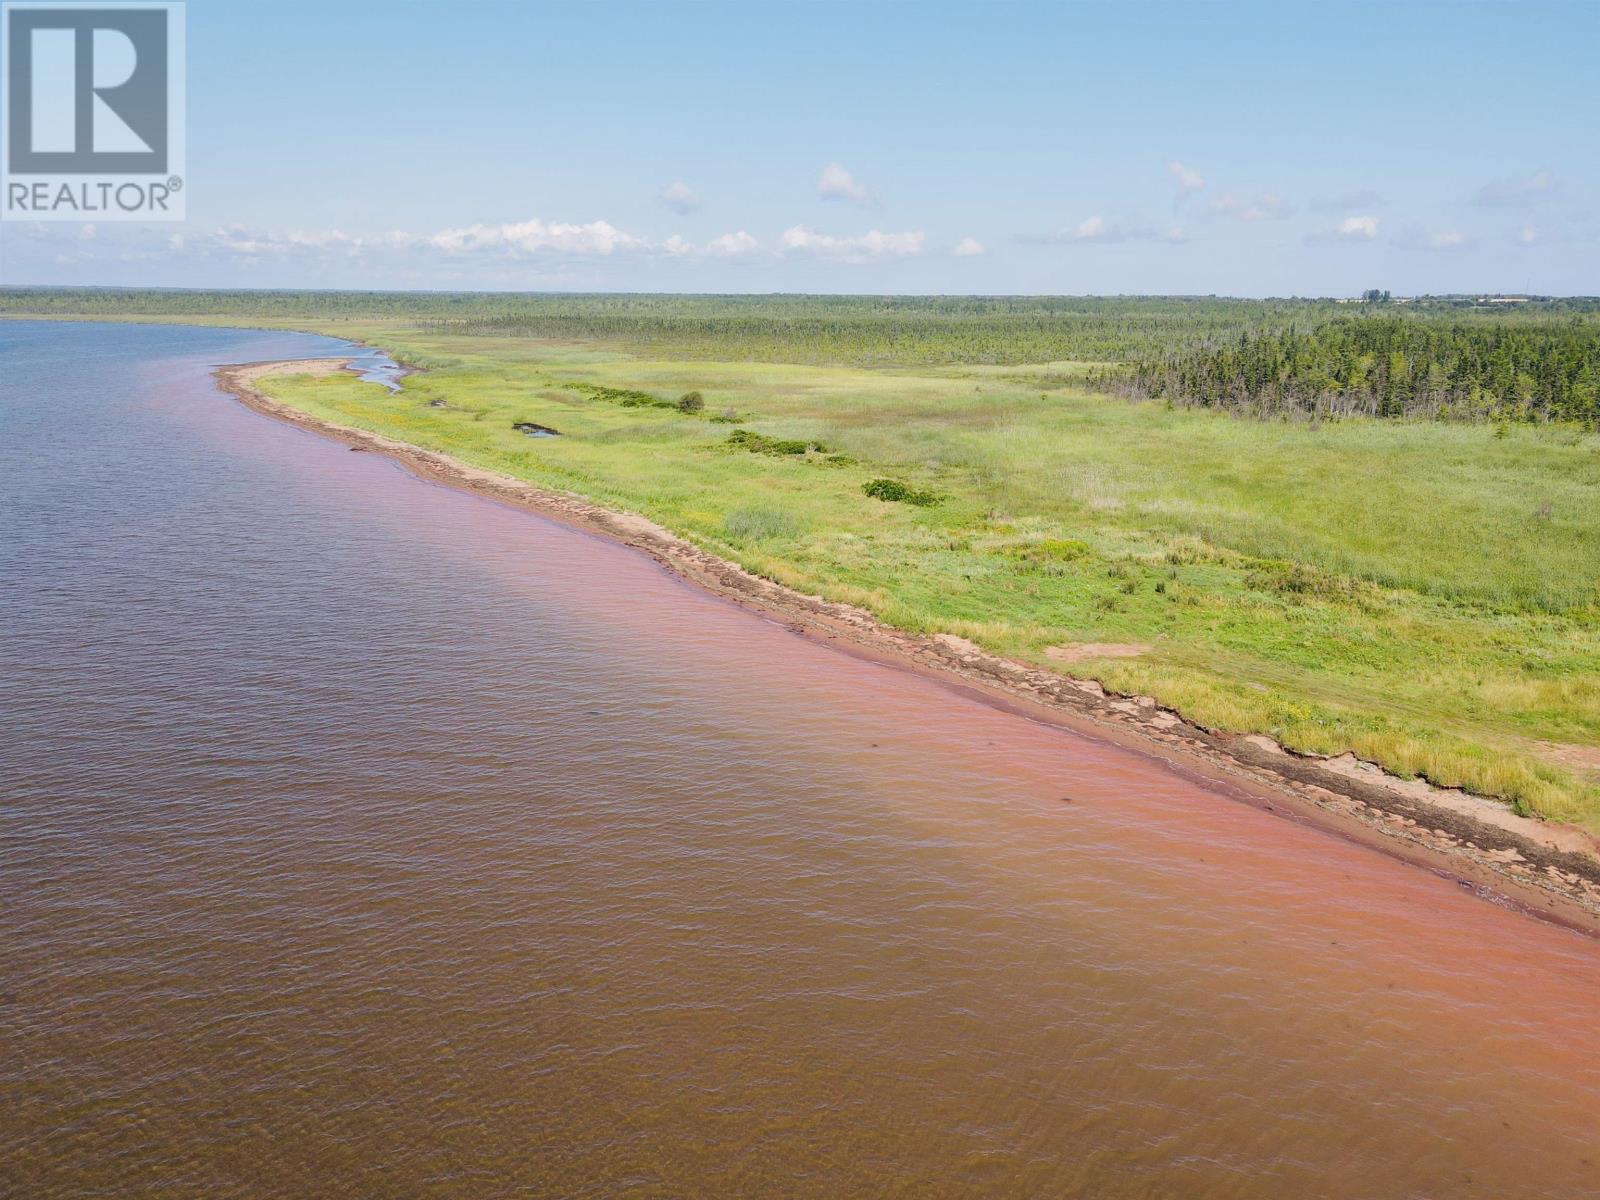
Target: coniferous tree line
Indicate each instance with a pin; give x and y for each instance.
(1385, 366)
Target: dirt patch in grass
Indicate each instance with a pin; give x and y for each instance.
(1078, 651)
(1580, 758)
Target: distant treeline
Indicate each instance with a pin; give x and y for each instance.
(881, 330)
(1440, 357)
(1531, 368)
(853, 330)
(943, 330)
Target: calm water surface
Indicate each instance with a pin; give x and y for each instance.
(363, 838)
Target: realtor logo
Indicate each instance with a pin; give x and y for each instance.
(93, 121)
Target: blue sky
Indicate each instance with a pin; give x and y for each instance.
(1246, 149)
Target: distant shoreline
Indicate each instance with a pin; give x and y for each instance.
(1545, 869)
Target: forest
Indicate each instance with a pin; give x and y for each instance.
(1386, 366)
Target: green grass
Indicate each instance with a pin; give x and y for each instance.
(1425, 595)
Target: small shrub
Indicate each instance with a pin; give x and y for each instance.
(839, 460)
(627, 397)
(760, 443)
(691, 402)
(895, 492)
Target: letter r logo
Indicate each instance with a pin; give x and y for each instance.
(86, 89)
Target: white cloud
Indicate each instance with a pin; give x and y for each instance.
(241, 240)
(733, 245)
(1527, 236)
(1092, 229)
(539, 237)
(969, 247)
(835, 183)
(1358, 227)
(727, 245)
(594, 239)
(512, 247)
(1098, 229)
(534, 237)
(867, 247)
(680, 197)
(1187, 178)
(1268, 206)
(1351, 229)
(1518, 193)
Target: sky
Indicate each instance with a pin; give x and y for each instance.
(994, 148)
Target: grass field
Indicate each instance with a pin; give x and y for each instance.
(1425, 595)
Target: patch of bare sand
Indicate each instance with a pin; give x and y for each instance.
(1078, 651)
(1585, 759)
(294, 366)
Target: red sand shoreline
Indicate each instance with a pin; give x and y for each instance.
(1547, 870)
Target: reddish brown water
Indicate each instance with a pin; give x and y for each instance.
(367, 838)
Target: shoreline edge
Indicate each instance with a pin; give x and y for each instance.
(1546, 870)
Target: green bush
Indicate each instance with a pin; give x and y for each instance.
(760, 443)
(895, 492)
(691, 402)
(627, 397)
